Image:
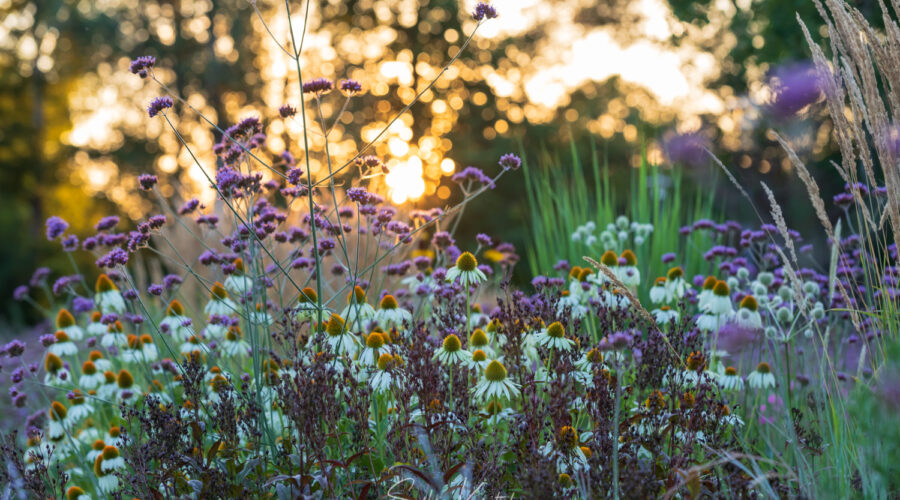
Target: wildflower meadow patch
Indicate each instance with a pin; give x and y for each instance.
(302, 337)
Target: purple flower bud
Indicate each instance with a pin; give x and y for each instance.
(56, 226)
(107, 223)
(142, 65)
(47, 340)
(158, 104)
(147, 181)
(510, 161)
(484, 11)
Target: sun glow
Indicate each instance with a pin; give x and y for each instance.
(405, 181)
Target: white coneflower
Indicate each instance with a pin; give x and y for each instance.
(66, 322)
(375, 346)
(110, 387)
(571, 305)
(108, 298)
(114, 336)
(466, 270)
(127, 391)
(260, 316)
(79, 407)
(628, 273)
(100, 362)
(57, 374)
(63, 345)
(96, 450)
(132, 352)
(706, 292)
(748, 314)
(480, 340)
(149, 348)
(236, 282)
(554, 337)
(76, 493)
(614, 299)
(234, 344)
(730, 380)
(390, 314)
(192, 344)
(339, 338)
(58, 425)
(382, 380)
(582, 287)
(589, 361)
(358, 311)
(477, 317)
(762, 377)
(451, 351)
(495, 385)
(219, 303)
(91, 377)
(665, 314)
(105, 466)
(307, 307)
(175, 322)
(658, 292)
(694, 365)
(719, 303)
(676, 287)
(96, 328)
(478, 361)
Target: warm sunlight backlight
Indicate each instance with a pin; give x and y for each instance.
(447, 166)
(405, 181)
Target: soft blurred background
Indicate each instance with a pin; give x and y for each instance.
(549, 79)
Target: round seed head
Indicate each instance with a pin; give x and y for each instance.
(721, 289)
(466, 262)
(609, 259)
(125, 379)
(308, 296)
(749, 302)
(479, 355)
(384, 361)
(451, 343)
(175, 308)
(64, 319)
(763, 367)
(375, 340)
(710, 282)
(556, 330)
(478, 338)
(389, 302)
(674, 273)
(218, 292)
(104, 284)
(52, 363)
(629, 257)
(495, 371)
